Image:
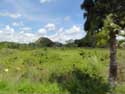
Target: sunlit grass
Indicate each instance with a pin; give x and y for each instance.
(31, 71)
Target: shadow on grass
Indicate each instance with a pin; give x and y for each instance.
(78, 82)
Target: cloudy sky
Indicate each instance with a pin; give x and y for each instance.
(25, 21)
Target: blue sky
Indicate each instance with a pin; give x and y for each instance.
(25, 21)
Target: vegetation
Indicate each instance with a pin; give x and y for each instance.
(109, 16)
(40, 43)
(47, 67)
(54, 71)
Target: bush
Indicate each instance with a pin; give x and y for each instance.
(78, 82)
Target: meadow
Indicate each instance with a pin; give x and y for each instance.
(58, 71)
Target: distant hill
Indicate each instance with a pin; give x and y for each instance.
(44, 42)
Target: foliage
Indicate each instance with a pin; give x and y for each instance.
(96, 12)
(103, 15)
(88, 41)
(78, 82)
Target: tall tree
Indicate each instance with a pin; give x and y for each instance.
(109, 14)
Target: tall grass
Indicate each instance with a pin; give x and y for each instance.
(56, 71)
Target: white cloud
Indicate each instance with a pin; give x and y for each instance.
(42, 31)
(26, 29)
(24, 36)
(9, 34)
(63, 35)
(47, 28)
(17, 24)
(45, 1)
(8, 29)
(1, 31)
(74, 29)
(11, 15)
(50, 27)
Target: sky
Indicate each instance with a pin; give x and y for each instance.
(25, 21)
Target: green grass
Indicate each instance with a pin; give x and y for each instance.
(57, 71)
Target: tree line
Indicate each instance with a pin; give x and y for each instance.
(87, 41)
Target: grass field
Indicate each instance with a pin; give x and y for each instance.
(58, 71)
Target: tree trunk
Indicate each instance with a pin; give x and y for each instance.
(113, 62)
